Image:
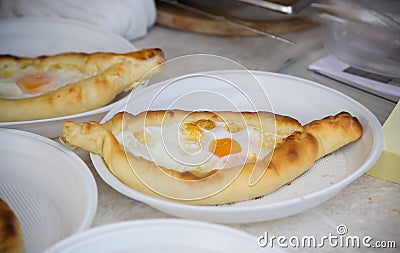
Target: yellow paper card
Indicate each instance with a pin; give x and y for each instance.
(388, 165)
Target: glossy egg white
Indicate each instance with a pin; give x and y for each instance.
(168, 147)
(60, 78)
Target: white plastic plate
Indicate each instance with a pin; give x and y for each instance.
(160, 235)
(49, 187)
(35, 36)
(301, 99)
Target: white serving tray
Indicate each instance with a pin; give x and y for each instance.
(301, 99)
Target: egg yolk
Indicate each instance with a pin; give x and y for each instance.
(223, 147)
(34, 83)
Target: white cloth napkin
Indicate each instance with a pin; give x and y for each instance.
(128, 18)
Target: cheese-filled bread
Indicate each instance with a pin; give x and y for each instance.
(206, 158)
(11, 239)
(69, 83)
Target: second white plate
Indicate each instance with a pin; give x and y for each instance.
(51, 190)
(160, 236)
(298, 98)
(34, 36)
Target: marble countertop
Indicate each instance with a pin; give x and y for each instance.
(368, 206)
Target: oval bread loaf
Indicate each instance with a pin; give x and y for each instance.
(11, 239)
(105, 76)
(295, 149)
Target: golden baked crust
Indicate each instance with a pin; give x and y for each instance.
(297, 149)
(106, 76)
(333, 132)
(11, 239)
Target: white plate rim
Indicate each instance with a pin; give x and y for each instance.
(137, 224)
(377, 148)
(83, 171)
(74, 23)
